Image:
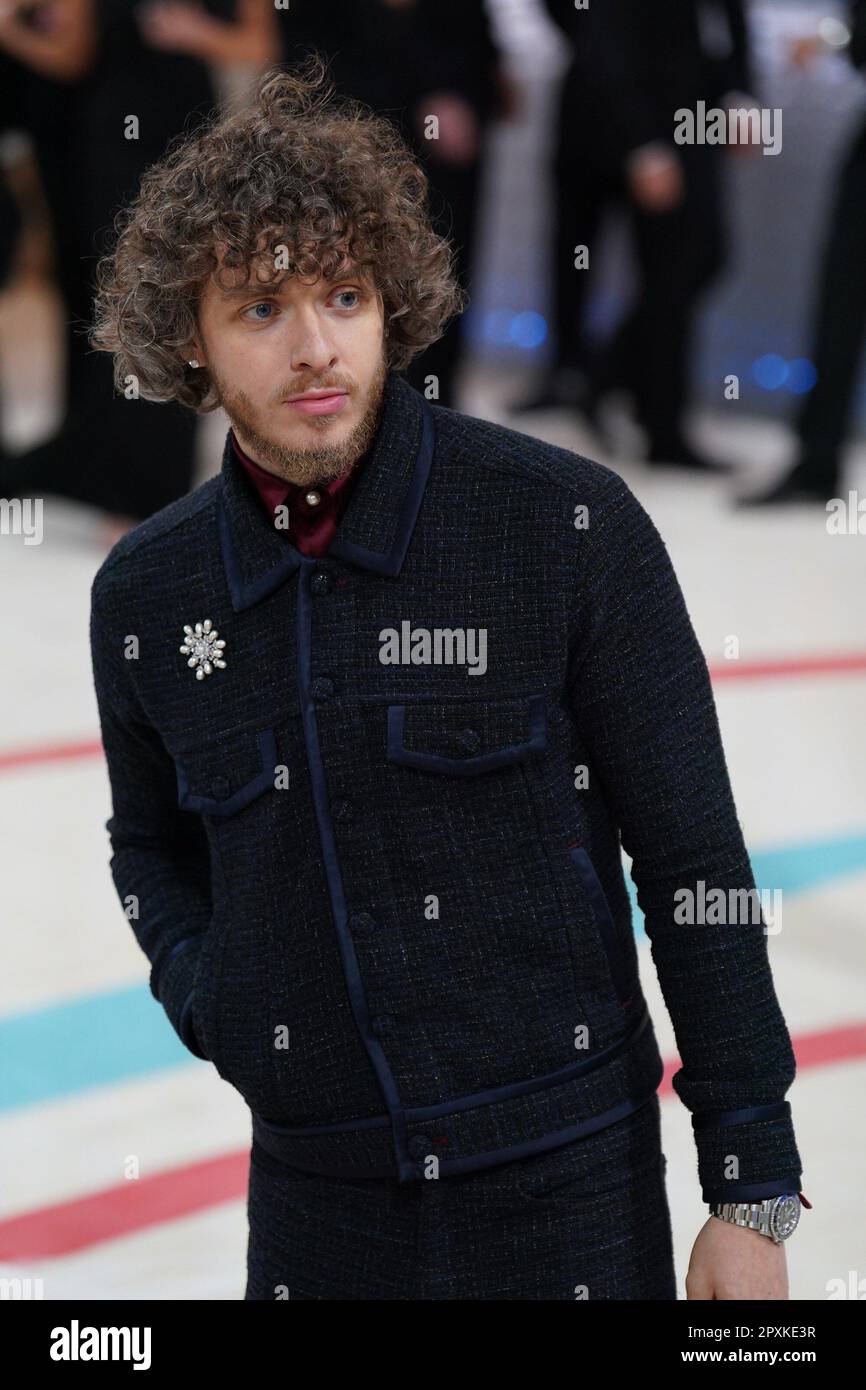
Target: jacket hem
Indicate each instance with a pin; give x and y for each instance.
(483, 1129)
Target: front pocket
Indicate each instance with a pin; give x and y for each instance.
(220, 780)
(471, 892)
(466, 738)
(604, 921)
(556, 1174)
(619, 1158)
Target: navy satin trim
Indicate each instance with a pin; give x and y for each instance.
(339, 1127)
(392, 562)
(330, 858)
(185, 1027)
(188, 800)
(720, 1119)
(535, 1083)
(754, 1192)
(606, 924)
(491, 1158)
(176, 950)
(244, 595)
(489, 1097)
(178, 947)
(466, 767)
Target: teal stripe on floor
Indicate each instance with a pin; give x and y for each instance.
(792, 869)
(92, 1041)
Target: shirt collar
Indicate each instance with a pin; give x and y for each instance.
(376, 526)
(277, 491)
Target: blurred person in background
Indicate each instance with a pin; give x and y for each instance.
(100, 105)
(455, 74)
(838, 314)
(409, 60)
(10, 212)
(40, 45)
(633, 66)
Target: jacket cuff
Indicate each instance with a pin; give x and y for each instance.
(174, 989)
(746, 1155)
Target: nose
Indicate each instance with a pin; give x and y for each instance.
(312, 350)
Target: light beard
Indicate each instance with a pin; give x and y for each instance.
(305, 467)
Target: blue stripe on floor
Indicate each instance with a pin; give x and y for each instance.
(90, 1041)
(794, 869)
(118, 1035)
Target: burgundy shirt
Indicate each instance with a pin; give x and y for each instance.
(312, 526)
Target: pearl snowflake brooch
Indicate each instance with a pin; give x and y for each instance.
(203, 648)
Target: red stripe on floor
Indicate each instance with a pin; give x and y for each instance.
(50, 753)
(136, 1205)
(119, 1211)
(824, 1049)
(789, 666)
(727, 671)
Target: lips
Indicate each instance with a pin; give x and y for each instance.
(324, 401)
(317, 394)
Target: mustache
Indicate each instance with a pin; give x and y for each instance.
(300, 388)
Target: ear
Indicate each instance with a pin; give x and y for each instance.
(193, 354)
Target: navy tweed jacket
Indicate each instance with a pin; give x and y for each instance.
(374, 860)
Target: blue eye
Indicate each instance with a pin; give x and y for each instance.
(356, 293)
(263, 305)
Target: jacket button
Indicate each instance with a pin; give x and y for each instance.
(321, 582)
(322, 688)
(419, 1145)
(221, 786)
(361, 922)
(469, 739)
(342, 810)
(382, 1025)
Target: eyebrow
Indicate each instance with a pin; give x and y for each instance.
(267, 289)
(238, 291)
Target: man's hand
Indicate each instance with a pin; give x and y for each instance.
(175, 26)
(458, 134)
(730, 1262)
(655, 178)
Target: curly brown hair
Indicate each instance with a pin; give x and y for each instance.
(292, 171)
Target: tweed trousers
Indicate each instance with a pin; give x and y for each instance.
(586, 1221)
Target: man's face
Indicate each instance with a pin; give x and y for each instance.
(264, 345)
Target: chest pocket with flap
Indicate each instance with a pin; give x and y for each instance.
(226, 776)
(465, 738)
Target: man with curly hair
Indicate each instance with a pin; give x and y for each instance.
(382, 702)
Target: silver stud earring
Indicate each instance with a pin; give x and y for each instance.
(193, 362)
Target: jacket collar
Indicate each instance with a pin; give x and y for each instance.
(376, 527)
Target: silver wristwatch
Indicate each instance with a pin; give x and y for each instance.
(775, 1217)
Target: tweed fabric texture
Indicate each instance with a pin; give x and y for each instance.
(586, 1221)
(386, 898)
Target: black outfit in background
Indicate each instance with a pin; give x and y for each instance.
(839, 325)
(391, 58)
(633, 66)
(10, 227)
(125, 456)
(10, 213)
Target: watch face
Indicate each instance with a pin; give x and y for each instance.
(786, 1214)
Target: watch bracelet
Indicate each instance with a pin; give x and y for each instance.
(755, 1216)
